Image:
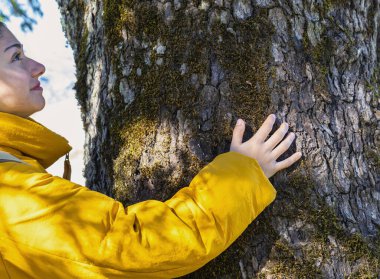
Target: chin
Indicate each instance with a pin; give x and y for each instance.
(40, 102)
(38, 106)
(42, 105)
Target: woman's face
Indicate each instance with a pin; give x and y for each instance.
(18, 78)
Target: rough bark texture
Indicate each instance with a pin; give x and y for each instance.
(161, 83)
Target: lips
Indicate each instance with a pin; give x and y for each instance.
(38, 86)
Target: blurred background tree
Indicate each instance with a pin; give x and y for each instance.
(17, 8)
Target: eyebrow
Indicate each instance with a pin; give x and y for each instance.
(20, 46)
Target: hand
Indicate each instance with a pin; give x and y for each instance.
(263, 151)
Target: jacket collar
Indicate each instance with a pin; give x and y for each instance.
(31, 139)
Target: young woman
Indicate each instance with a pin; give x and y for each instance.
(53, 228)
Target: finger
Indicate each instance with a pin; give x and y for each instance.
(265, 128)
(283, 146)
(237, 136)
(288, 161)
(277, 136)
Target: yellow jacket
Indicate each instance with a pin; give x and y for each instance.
(53, 228)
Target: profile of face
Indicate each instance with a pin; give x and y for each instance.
(20, 93)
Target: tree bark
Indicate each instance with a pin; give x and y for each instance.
(162, 83)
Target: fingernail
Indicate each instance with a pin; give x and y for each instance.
(239, 122)
(273, 116)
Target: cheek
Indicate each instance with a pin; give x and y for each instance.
(14, 89)
(11, 80)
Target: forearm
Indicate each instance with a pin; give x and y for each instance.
(202, 220)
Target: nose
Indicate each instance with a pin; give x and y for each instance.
(37, 69)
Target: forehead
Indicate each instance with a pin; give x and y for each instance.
(7, 38)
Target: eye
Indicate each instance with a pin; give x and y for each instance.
(17, 56)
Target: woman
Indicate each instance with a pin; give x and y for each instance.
(53, 228)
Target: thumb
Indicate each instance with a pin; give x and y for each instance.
(237, 136)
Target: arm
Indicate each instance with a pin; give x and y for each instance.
(51, 227)
(57, 226)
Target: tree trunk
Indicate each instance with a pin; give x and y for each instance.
(162, 83)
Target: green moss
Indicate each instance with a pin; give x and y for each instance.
(329, 5)
(81, 66)
(373, 84)
(320, 55)
(186, 43)
(287, 264)
(307, 208)
(116, 16)
(245, 60)
(374, 157)
(134, 136)
(158, 86)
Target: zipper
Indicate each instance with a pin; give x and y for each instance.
(67, 168)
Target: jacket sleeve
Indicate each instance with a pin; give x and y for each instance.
(50, 225)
